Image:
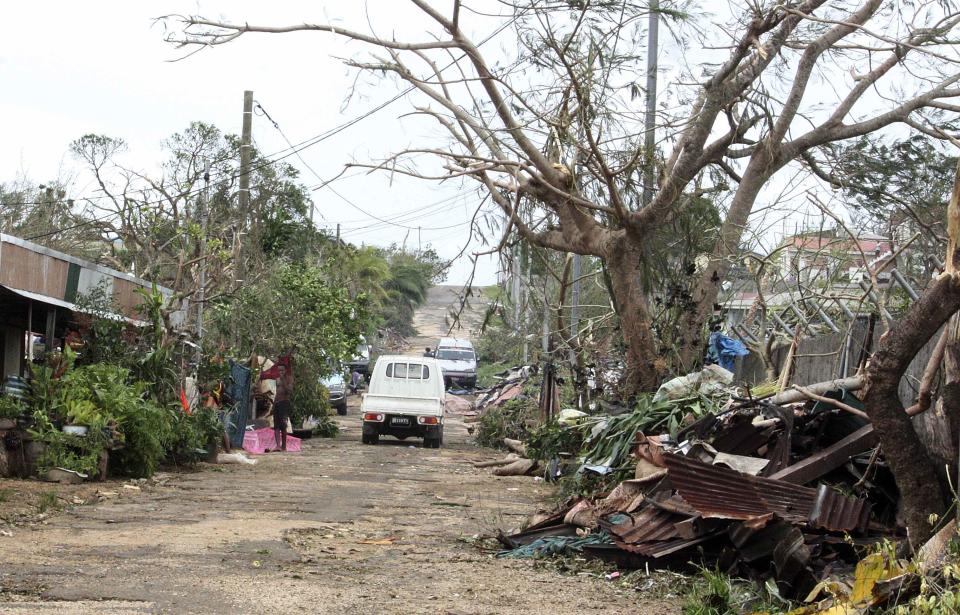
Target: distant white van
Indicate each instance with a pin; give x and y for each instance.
(404, 399)
(458, 361)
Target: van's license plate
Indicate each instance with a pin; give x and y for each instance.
(400, 420)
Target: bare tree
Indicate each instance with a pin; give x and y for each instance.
(555, 136)
(153, 223)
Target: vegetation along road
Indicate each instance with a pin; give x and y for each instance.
(338, 528)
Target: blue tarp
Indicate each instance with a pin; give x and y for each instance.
(724, 350)
(240, 394)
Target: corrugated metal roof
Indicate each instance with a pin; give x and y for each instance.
(717, 492)
(650, 524)
(834, 511)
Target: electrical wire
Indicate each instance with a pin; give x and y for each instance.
(294, 149)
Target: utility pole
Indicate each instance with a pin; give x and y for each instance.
(650, 118)
(201, 292)
(245, 155)
(526, 313)
(545, 341)
(515, 274)
(338, 233)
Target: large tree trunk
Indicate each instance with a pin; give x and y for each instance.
(623, 264)
(691, 346)
(917, 478)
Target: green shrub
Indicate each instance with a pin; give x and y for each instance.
(309, 396)
(11, 407)
(514, 419)
(49, 500)
(550, 440)
(715, 593)
(148, 431)
(191, 434)
(68, 451)
(486, 373)
(327, 428)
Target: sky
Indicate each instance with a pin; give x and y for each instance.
(104, 68)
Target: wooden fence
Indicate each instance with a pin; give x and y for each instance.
(837, 355)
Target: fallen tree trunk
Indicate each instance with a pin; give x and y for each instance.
(921, 493)
(792, 396)
(497, 462)
(516, 446)
(520, 467)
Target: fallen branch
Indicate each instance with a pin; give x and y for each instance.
(926, 381)
(497, 462)
(520, 467)
(833, 402)
(854, 383)
(516, 446)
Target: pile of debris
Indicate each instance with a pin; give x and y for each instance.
(787, 487)
(509, 386)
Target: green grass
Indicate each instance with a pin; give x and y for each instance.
(48, 501)
(5, 494)
(712, 592)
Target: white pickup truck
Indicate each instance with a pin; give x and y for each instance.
(404, 399)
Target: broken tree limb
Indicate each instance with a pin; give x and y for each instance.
(520, 467)
(829, 459)
(926, 382)
(853, 383)
(516, 446)
(497, 462)
(832, 402)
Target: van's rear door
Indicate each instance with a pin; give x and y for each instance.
(391, 404)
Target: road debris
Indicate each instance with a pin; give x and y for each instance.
(787, 491)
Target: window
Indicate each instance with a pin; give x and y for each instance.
(418, 371)
(409, 371)
(452, 354)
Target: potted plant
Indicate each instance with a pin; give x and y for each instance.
(82, 414)
(210, 430)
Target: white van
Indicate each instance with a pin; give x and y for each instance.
(404, 399)
(458, 361)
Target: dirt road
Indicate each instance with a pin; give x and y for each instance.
(435, 319)
(338, 528)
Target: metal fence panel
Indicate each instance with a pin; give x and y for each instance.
(240, 394)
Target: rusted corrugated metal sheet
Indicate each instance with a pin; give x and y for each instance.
(508, 393)
(47, 273)
(717, 492)
(33, 271)
(650, 524)
(834, 511)
(662, 548)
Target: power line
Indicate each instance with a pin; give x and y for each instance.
(429, 211)
(294, 149)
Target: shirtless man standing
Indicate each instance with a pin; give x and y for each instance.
(281, 406)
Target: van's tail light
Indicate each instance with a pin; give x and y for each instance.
(428, 420)
(375, 417)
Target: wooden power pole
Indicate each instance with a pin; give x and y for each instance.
(245, 155)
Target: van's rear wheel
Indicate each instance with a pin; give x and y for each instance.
(433, 442)
(371, 438)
